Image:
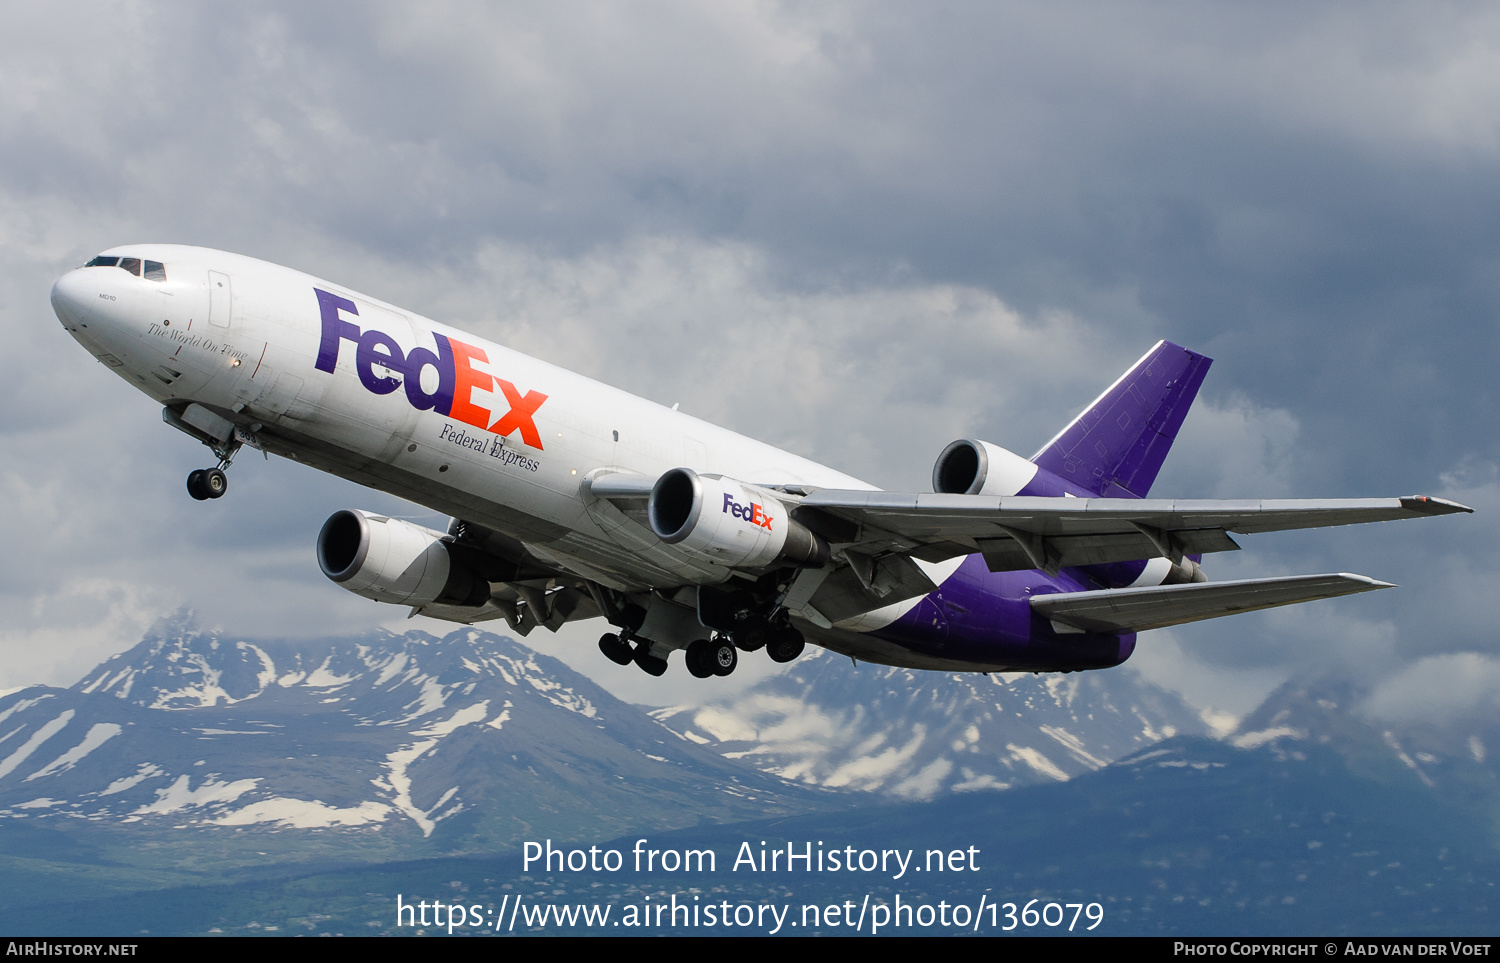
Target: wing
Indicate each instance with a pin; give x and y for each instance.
(1049, 533)
(875, 536)
(1139, 609)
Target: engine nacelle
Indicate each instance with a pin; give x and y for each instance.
(730, 522)
(972, 467)
(389, 560)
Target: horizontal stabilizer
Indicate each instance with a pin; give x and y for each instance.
(1139, 609)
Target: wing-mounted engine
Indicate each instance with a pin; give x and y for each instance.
(390, 560)
(730, 522)
(471, 574)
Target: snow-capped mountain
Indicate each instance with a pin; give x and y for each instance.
(1454, 755)
(201, 782)
(406, 734)
(915, 735)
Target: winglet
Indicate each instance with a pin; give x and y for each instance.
(1366, 583)
(1427, 505)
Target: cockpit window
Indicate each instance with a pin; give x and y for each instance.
(155, 270)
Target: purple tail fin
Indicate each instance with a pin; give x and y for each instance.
(1116, 447)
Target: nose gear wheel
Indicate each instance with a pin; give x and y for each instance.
(206, 483)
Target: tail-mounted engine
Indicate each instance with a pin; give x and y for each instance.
(730, 522)
(389, 560)
(971, 467)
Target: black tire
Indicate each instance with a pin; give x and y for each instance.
(724, 656)
(699, 657)
(215, 482)
(649, 663)
(750, 637)
(195, 485)
(785, 645)
(616, 651)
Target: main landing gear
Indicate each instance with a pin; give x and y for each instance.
(704, 658)
(785, 644)
(707, 657)
(619, 650)
(734, 620)
(206, 483)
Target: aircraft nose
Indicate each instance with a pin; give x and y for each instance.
(74, 296)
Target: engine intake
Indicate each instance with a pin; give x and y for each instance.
(972, 467)
(390, 560)
(730, 522)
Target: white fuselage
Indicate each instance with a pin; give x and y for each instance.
(260, 345)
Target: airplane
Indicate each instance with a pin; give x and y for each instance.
(570, 499)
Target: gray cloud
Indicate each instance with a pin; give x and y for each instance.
(1443, 689)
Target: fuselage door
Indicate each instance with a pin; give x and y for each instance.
(220, 299)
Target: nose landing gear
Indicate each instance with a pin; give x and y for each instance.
(205, 483)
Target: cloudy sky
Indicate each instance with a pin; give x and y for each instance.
(856, 231)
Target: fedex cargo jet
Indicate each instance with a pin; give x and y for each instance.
(571, 499)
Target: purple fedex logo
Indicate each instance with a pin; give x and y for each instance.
(752, 513)
(457, 365)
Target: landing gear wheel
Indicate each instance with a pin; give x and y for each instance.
(195, 485)
(699, 657)
(785, 645)
(649, 663)
(215, 482)
(615, 650)
(724, 656)
(750, 637)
